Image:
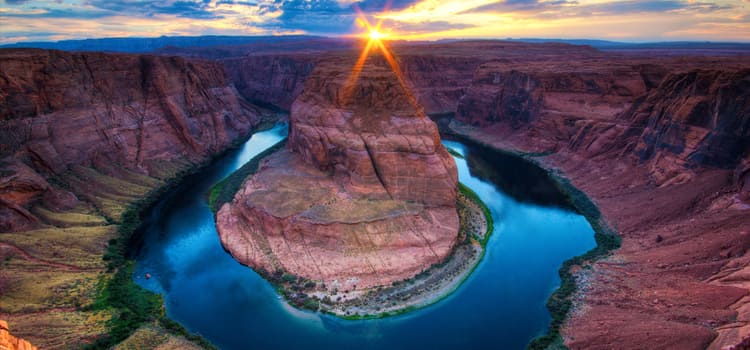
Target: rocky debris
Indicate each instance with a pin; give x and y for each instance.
(9, 342)
(364, 196)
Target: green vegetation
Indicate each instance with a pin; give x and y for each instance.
(455, 153)
(131, 305)
(224, 190)
(468, 192)
(607, 239)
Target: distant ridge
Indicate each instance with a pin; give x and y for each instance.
(140, 45)
(606, 44)
(174, 44)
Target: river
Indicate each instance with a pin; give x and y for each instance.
(500, 306)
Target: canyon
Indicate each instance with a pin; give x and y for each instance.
(634, 131)
(660, 143)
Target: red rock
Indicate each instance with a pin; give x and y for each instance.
(136, 112)
(9, 342)
(364, 196)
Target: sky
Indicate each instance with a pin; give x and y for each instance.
(622, 20)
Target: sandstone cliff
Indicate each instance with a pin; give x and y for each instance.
(142, 113)
(364, 196)
(275, 79)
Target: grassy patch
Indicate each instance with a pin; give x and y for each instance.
(77, 217)
(29, 290)
(76, 246)
(153, 336)
(224, 190)
(58, 329)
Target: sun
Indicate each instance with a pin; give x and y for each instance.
(377, 35)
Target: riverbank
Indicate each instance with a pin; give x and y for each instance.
(561, 301)
(428, 287)
(131, 306)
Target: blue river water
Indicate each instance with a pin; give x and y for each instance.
(500, 306)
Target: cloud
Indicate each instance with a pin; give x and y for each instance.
(576, 8)
(413, 19)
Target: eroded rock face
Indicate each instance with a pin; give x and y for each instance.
(273, 79)
(147, 114)
(694, 119)
(663, 151)
(373, 140)
(9, 342)
(364, 195)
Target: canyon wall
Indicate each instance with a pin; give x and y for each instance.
(82, 137)
(661, 146)
(275, 79)
(97, 110)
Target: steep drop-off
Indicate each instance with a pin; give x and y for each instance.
(365, 194)
(82, 137)
(663, 153)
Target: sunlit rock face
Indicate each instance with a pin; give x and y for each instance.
(363, 196)
(9, 342)
(373, 137)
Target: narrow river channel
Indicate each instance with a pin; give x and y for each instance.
(501, 306)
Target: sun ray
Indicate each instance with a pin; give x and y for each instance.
(352, 81)
(375, 41)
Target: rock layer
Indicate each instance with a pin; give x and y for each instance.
(149, 114)
(364, 196)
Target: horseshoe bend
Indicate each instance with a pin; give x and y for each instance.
(364, 194)
(332, 192)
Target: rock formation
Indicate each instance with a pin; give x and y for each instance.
(364, 195)
(9, 342)
(633, 131)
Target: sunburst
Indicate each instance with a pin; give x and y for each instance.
(376, 38)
